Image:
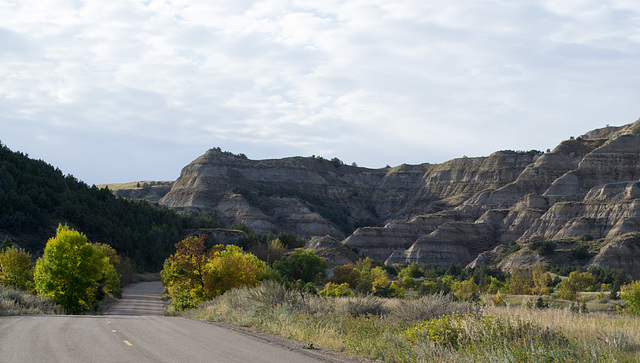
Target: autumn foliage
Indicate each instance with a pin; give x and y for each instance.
(194, 273)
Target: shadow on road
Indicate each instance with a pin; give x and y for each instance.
(142, 298)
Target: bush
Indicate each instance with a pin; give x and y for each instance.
(231, 268)
(270, 294)
(346, 273)
(412, 270)
(431, 306)
(576, 282)
(458, 331)
(580, 251)
(543, 248)
(366, 305)
(631, 293)
(586, 237)
(15, 268)
(335, 290)
(465, 290)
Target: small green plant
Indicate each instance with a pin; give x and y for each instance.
(309, 346)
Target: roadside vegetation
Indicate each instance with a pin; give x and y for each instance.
(426, 313)
(432, 328)
(72, 276)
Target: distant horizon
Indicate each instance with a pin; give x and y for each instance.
(317, 156)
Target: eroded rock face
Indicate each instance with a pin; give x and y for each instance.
(585, 186)
(445, 213)
(311, 196)
(622, 252)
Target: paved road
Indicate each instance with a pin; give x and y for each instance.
(135, 330)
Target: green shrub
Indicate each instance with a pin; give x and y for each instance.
(580, 251)
(15, 268)
(631, 293)
(543, 248)
(586, 237)
(513, 247)
(445, 330)
(335, 290)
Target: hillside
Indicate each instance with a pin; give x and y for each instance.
(35, 197)
(445, 213)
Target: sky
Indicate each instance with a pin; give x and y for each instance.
(118, 91)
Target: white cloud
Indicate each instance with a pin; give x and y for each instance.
(375, 82)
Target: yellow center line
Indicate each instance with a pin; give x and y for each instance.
(127, 343)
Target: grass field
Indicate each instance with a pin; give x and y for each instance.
(431, 328)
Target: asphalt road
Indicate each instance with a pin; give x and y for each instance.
(134, 329)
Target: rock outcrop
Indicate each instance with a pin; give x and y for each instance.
(464, 211)
(585, 187)
(315, 196)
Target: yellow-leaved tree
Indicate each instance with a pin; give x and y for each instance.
(73, 272)
(232, 267)
(193, 273)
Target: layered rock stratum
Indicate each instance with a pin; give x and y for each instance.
(462, 211)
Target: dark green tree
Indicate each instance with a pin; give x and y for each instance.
(302, 265)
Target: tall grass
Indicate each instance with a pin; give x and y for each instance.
(432, 328)
(18, 302)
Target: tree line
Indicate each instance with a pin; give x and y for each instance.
(35, 197)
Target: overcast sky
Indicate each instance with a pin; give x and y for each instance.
(116, 91)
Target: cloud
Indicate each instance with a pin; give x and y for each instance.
(375, 82)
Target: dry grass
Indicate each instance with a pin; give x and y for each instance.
(617, 330)
(432, 328)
